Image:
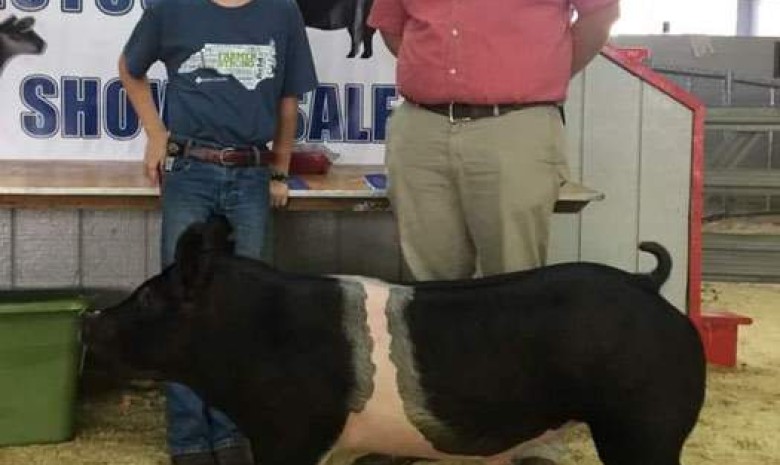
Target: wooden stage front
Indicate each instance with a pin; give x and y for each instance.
(122, 185)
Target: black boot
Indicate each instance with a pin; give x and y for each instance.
(234, 455)
(198, 458)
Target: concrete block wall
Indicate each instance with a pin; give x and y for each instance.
(118, 249)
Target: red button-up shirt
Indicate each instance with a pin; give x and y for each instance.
(482, 51)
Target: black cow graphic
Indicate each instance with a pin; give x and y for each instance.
(18, 38)
(330, 15)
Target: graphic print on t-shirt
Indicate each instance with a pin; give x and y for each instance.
(249, 64)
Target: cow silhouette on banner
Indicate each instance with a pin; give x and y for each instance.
(330, 15)
(18, 38)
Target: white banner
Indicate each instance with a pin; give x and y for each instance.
(60, 96)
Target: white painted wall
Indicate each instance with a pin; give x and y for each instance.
(633, 143)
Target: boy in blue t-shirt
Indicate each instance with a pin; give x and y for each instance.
(235, 71)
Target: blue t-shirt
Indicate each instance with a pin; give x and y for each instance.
(227, 67)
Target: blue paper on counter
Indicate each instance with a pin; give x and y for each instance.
(296, 183)
(376, 181)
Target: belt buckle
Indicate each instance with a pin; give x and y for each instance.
(223, 152)
(454, 120)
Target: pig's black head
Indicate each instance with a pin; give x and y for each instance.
(153, 330)
(18, 38)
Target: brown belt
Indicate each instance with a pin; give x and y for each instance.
(225, 156)
(467, 112)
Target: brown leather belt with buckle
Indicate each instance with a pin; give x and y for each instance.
(466, 112)
(225, 156)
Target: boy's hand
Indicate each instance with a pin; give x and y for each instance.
(279, 193)
(156, 147)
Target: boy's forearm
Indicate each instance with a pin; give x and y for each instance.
(139, 92)
(284, 137)
(590, 33)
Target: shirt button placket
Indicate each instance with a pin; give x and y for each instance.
(453, 71)
(455, 33)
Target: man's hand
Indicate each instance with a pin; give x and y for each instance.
(156, 147)
(279, 193)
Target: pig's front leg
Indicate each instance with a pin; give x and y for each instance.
(305, 454)
(303, 442)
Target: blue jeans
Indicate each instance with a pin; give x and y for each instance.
(193, 191)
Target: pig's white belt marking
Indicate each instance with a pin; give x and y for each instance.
(355, 324)
(402, 355)
(394, 419)
(388, 411)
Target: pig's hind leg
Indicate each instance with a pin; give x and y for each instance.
(648, 427)
(286, 453)
(636, 445)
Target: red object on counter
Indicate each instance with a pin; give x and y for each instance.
(309, 162)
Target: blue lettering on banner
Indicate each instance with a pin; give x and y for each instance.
(355, 133)
(384, 95)
(75, 113)
(115, 7)
(121, 121)
(79, 107)
(325, 114)
(42, 120)
(108, 7)
(72, 6)
(30, 5)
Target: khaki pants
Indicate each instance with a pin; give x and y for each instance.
(474, 198)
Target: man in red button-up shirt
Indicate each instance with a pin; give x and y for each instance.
(476, 153)
(474, 183)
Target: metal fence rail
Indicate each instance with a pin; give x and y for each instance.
(741, 257)
(728, 78)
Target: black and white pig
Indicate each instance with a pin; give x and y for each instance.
(307, 364)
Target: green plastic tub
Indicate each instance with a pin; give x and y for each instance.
(39, 361)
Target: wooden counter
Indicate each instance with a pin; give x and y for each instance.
(120, 185)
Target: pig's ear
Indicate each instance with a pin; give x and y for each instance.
(198, 244)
